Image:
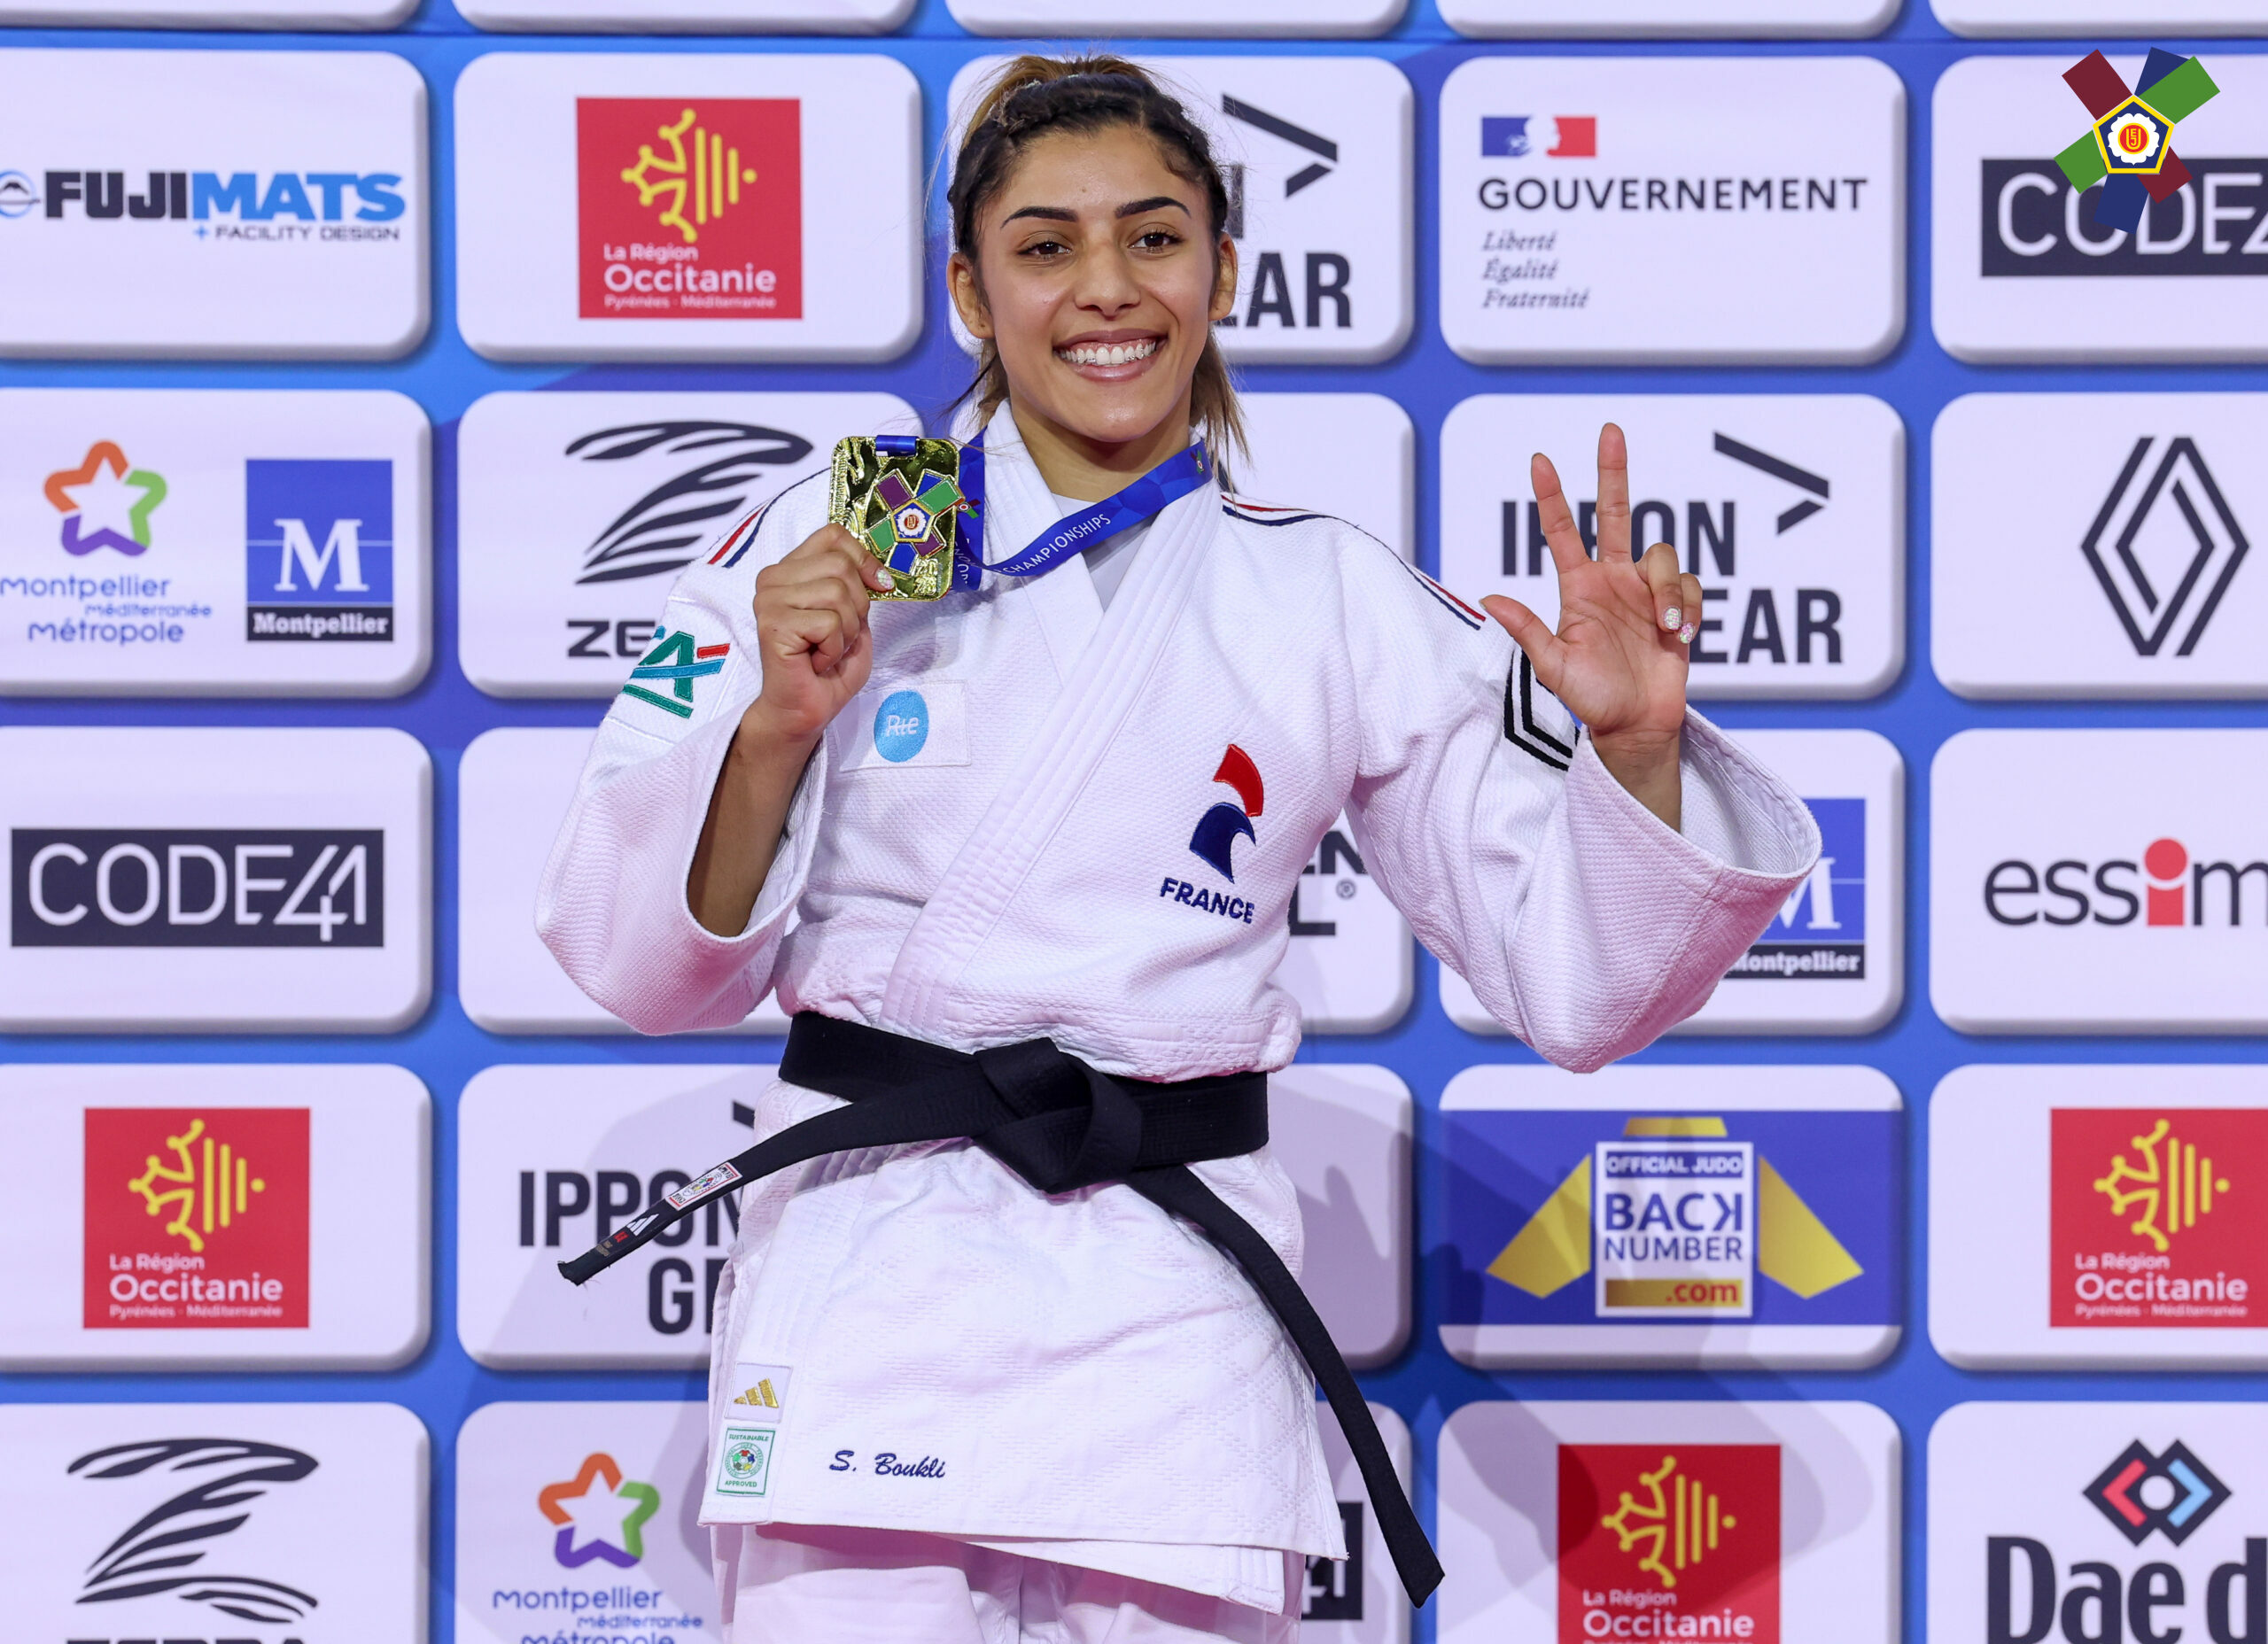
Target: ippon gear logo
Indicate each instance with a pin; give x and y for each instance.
(2174, 889)
(2143, 1494)
(600, 1515)
(1669, 1542)
(1328, 273)
(2164, 547)
(105, 501)
(690, 211)
(197, 888)
(196, 1218)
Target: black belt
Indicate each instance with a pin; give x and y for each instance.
(1060, 1125)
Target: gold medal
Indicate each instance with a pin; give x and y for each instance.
(901, 495)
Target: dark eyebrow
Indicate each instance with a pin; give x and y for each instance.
(1057, 214)
(1049, 214)
(1151, 204)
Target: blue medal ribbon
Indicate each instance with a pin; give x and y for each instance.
(1164, 485)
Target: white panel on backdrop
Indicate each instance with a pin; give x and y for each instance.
(2088, 18)
(1565, 1522)
(254, 1217)
(221, 204)
(2100, 881)
(729, 205)
(213, 542)
(1314, 19)
(1341, 1131)
(1358, 1601)
(2094, 1514)
(1790, 507)
(1834, 961)
(2116, 566)
(1798, 1266)
(2109, 1217)
(1501, 19)
(1317, 155)
(216, 880)
(689, 16)
(551, 1159)
(144, 1521)
(576, 511)
(1620, 233)
(2021, 269)
(513, 785)
(586, 1509)
(1300, 447)
(205, 14)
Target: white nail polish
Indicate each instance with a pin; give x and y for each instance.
(1672, 617)
(1685, 634)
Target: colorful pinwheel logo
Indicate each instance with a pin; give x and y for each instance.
(600, 1514)
(105, 501)
(2129, 149)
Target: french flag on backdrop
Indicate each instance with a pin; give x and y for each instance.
(1560, 136)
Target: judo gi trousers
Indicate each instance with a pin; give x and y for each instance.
(800, 1584)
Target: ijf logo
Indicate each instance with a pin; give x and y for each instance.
(678, 659)
(2143, 1494)
(2154, 577)
(2129, 149)
(1557, 136)
(1217, 831)
(318, 550)
(195, 1219)
(2152, 1215)
(690, 211)
(105, 501)
(1660, 1542)
(600, 1515)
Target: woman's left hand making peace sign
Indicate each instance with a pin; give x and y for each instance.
(1619, 659)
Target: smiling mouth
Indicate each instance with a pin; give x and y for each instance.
(1109, 353)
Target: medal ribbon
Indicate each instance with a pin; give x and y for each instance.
(1165, 484)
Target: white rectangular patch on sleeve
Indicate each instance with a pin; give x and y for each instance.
(754, 1403)
(918, 723)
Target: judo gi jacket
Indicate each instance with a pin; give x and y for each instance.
(1042, 818)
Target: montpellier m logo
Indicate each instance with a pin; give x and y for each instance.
(2152, 576)
(2187, 1494)
(2174, 1187)
(105, 502)
(600, 1515)
(1218, 829)
(2129, 149)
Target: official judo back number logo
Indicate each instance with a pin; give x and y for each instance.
(1218, 829)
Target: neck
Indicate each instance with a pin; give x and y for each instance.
(1088, 471)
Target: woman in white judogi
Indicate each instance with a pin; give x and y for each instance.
(1075, 805)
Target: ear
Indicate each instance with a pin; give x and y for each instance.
(969, 297)
(1224, 279)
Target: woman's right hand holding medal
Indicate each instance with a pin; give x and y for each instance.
(812, 646)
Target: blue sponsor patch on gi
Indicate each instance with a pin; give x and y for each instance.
(901, 725)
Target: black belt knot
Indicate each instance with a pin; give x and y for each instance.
(1060, 1125)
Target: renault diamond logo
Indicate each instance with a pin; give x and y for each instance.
(2164, 547)
(2172, 1494)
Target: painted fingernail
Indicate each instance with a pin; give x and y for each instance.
(1672, 617)
(1685, 634)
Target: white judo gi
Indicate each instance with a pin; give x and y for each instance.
(1030, 824)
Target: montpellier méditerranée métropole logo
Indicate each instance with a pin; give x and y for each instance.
(2129, 149)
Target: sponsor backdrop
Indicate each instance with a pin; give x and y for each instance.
(367, 369)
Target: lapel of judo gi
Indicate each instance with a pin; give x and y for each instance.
(1100, 657)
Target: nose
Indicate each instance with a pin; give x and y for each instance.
(1106, 285)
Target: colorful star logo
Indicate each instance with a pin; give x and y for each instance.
(104, 502)
(2129, 149)
(600, 1514)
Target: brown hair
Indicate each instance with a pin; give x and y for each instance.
(1034, 95)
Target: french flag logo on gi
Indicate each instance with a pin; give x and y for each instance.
(1218, 829)
(1560, 136)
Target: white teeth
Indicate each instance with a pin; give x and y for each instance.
(1109, 353)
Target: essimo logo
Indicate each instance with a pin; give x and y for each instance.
(2154, 1216)
(197, 888)
(196, 1218)
(2167, 887)
(689, 210)
(1660, 1542)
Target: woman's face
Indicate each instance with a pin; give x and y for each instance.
(1100, 283)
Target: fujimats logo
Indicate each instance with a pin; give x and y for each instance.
(600, 1514)
(105, 501)
(195, 1219)
(197, 888)
(2154, 1218)
(1669, 1542)
(2165, 546)
(164, 1552)
(689, 211)
(276, 206)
